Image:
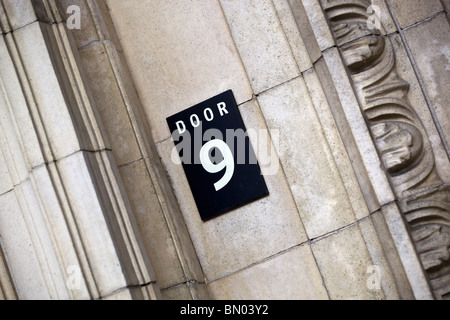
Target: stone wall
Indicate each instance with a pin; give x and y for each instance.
(355, 106)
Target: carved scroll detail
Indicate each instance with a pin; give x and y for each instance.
(399, 135)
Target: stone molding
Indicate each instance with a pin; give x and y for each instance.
(7, 289)
(82, 216)
(98, 35)
(398, 133)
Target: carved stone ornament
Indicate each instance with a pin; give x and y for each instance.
(399, 135)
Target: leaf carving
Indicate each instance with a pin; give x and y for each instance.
(398, 133)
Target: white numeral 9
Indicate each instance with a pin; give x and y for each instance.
(228, 161)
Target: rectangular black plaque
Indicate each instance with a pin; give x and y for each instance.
(217, 156)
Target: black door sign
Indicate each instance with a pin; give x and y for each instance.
(217, 156)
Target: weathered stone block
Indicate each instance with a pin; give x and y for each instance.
(306, 159)
(292, 275)
(345, 265)
(413, 11)
(261, 42)
(430, 46)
